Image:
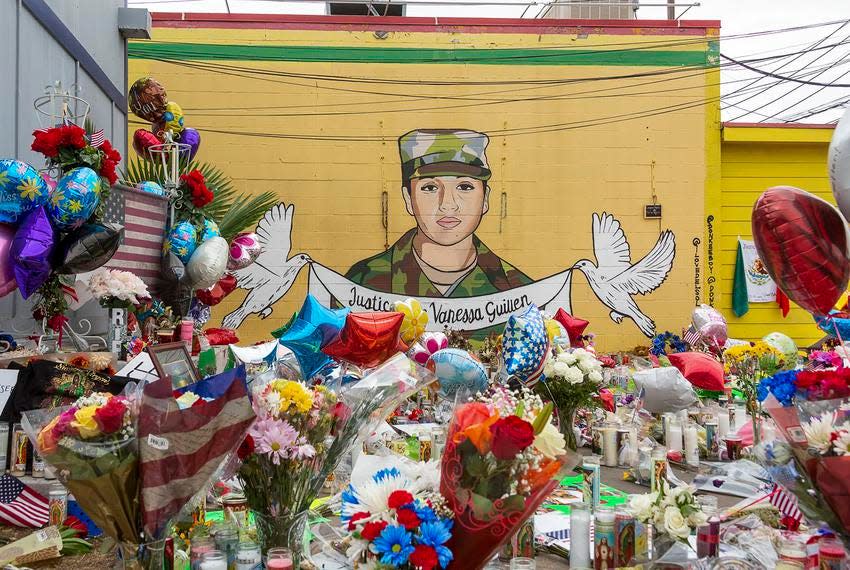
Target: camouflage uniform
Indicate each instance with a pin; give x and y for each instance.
(435, 153)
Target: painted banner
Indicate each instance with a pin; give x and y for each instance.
(465, 313)
(760, 287)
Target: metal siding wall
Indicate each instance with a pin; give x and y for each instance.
(35, 61)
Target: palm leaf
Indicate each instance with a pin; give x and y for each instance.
(233, 211)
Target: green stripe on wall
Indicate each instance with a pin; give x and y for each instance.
(350, 54)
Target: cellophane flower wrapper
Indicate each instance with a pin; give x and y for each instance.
(102, 475)
(317, 436)
(481, 524)
(184, 440)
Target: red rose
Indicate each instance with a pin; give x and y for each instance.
(510, 436)
(107, 170)
(246, 448)
(424, 557)
(74, 136)
(408, 519)
(110, 418)
(73, 522)
(47, 142)
(356, 517)
(398, 499)
(372, 530)
(109, 151)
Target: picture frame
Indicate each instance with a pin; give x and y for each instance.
(172, 360)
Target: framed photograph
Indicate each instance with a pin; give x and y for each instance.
(172, 360)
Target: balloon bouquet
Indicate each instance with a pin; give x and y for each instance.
(51, 221)
(196, 258)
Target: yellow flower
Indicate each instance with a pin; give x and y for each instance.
(293, 394)
(84, 422)
(29, 189)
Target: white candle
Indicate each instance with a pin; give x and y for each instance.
(675, 441)
(691, 449)
(634, 455)
(580, 536)
(723, 424)
(609, 446)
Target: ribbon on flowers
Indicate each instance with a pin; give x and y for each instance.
(467, 313)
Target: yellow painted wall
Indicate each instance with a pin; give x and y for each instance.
(552, 182)
(753, 160)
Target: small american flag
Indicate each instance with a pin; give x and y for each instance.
(816, 365)
(144, 217)
(96, 139)
(180, 450)
(20, 505)
(785, 502)
(692, 336)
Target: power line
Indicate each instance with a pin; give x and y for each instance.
(782, 77)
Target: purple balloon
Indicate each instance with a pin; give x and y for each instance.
(192, 138)
(7, 276)
(31, 250)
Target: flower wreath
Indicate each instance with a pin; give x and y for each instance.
(665, 341)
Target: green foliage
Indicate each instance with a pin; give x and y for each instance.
(233, 211)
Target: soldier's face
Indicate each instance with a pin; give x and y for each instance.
(447, 209)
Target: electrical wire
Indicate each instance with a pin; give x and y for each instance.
(782, 77)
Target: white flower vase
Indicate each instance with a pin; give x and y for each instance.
(116, 330)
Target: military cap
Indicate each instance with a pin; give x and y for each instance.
(443, 152)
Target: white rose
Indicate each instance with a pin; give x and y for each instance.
(696, 519)
(641, 506)
(550, 442)
(581, 353)
(549, 368)
(560, 369)
(595, 377)
(675, 524)
(574, 376)
(567, 358)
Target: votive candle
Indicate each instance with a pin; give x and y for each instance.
(723, 424)
(580, 535)
(691, 448)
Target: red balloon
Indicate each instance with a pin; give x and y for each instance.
(574, 327)
(367, 339)
(804, 244)
(700, 369)
(213, 296)
(142, 141)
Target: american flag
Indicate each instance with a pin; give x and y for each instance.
(180, 450)
(96, 139)
(144, 217)
(20, 505)
(785, 502)
(692, 336)
(816, 365)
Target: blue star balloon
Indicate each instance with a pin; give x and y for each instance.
(457, 369)
(525, 345)
(305, 342)
(21, 189)
(75, 198)
(210, 230)
(182, 241)
(327, 321)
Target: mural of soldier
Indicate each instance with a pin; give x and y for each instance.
(444, 185)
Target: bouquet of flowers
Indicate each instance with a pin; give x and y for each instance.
(665, 342)
(69, 146)
(503, 457)
(571, 380)
(116, 289)
(300, 435)
(396, 523)
(674, 513)
(92, 445)
(746, 365)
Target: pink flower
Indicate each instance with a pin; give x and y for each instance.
(274, 438)
(303, 451)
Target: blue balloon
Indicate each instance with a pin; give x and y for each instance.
(182, 241)
(327, 321)
(305, 342)
(151, 188)
(210, 230)
(21, 189)
(525, 345)
(75, 198)
(457, 369)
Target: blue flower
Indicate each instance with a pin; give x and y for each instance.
(348, 496)
(425, 513)
(782, 385)
(394, 545)
(383, 474)
(435, 533)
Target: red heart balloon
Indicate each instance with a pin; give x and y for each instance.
(804, 244)
(142, 141)
(214, 295)
(367, 339)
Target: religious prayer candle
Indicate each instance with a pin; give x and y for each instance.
(674, 443)
(624, 529)
(658, 474)
(591, 480)
(691, 448)
(604, 539)
(609, 446)
(580, 535)
(712, 441)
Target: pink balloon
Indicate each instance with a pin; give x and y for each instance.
(7, 275)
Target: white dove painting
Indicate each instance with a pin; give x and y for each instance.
(615, 280)
(271, 276)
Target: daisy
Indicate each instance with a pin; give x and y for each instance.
(819, 431)
(275, 438)
(841, 445)
(395, 545)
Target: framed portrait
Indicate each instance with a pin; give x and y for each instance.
(172, 360)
